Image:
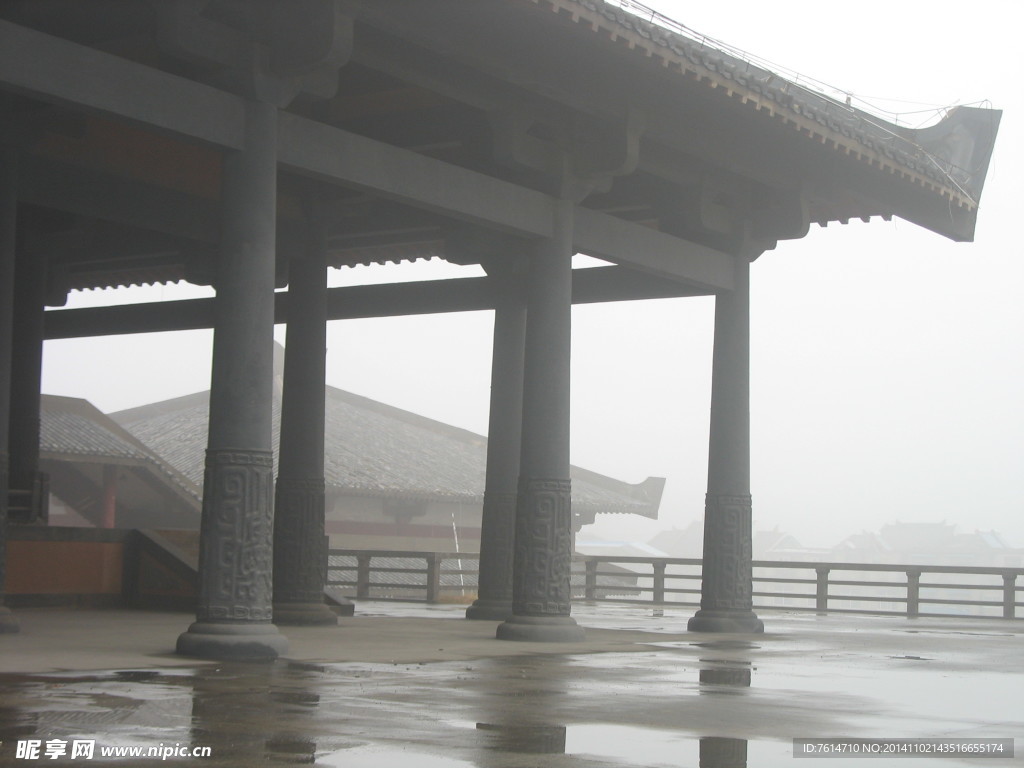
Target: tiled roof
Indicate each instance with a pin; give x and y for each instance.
(73, 429)
(174, 429)
(373, 449)
(869, 139)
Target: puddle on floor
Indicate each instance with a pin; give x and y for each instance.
(389, 757)
(513, 712)
(623, 745)
(726, 645)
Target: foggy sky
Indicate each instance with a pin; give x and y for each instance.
(887, 365)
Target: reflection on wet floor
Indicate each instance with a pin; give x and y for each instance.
(282, 714)
(723, 676)
(715, 702)
(528, 739)
(357, 715)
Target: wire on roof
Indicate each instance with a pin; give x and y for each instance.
(809, 84)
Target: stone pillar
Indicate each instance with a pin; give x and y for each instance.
(726, 589)
(543, 536)
(8, 235)
(28, 307)
(236, 532)
(497, 529)
(300, 546)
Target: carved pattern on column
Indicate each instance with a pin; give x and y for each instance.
(236, 541)
(300, 553)
(543, 548)
(727, 553)
(497, 546)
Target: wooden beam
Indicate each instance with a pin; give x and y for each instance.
(331, 154)
(651, 251)
(600, 284)
(155, 317)
(62, 72)
(609, 284)
(337, 156)
(64, 187)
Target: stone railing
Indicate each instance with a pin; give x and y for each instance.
(864, 588)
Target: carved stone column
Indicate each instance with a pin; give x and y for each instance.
(543, 536)
(236, 533)
(726, 603)
(497, 529)
(300, 546)
(8, 240)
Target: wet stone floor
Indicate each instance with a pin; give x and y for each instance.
(493, 712)
(686, 701)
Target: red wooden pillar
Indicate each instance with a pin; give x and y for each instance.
(109, 496)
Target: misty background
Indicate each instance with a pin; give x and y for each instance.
(887, 375)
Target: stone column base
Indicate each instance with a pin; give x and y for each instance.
(490, 610)
(304, 614)
(739, 622)
(541, 629)
(232, 641)
(8, 621)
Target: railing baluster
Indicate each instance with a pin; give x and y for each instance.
(590, 590)
(1009, 595)
(913, 592)
(433, 577)
(863, 595)
(821, 590)
(659, 582)
(363, 576)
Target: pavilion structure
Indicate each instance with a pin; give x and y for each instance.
(250, 144)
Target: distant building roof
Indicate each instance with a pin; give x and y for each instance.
(592, 546)
(374, 449)
(76, 440)
(70, 428)
(930, 542)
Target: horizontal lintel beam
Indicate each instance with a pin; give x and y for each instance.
(62, 72)
(600, 284)
(340, 157)
(85, 192)
(656, 253)
(337, 156)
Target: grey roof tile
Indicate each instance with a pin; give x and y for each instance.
(375, 449)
